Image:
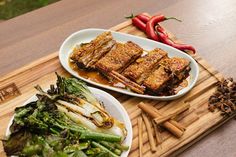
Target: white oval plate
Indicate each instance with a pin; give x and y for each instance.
(113, 107)
(86, 35)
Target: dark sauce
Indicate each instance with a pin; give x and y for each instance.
(90, 75)
(95, 76)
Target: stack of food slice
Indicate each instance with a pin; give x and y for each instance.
(87, 54)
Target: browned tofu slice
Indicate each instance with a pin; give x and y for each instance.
(143, 66)
(100, 52)
(87, 54)
(177, 66)
(157, 79)
(119, 57)
(169, 72)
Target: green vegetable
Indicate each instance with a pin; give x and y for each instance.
(31, 150)
(121, 147)
(80, 146)
(46, 128)
(16, 142)
(73, 97)
(78, 153)
(99, 136)
(95, 144)
(111, 147)
(93, 151)
(75, 87)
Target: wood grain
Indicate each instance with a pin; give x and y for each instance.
(208, 25)
(197, 122)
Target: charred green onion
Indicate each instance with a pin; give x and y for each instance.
(65, 121)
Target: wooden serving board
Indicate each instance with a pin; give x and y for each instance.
(18, 86)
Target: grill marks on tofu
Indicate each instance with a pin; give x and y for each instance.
(170, 72)
(119, 57)
(143, 66)
(88, 54)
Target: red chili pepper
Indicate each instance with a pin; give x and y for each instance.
(160, 33)
(182, 47)
(161, 29)
(150, 30)
(143, 17)
(138, 23)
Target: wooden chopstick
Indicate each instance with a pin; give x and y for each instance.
(140, 136)
(149, 131)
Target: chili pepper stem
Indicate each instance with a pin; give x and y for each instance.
(130, 17)
(174, 18)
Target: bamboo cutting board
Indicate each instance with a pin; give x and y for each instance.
(18, 86)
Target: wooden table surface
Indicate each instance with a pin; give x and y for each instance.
(209, 25)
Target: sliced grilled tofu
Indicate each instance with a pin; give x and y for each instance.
(99, 53)
(119, 57)
(157, 80)
(87, 54)
(177, 66)
(143, 66)
(170, 72)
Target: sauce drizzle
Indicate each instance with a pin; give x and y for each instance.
(95, 76)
